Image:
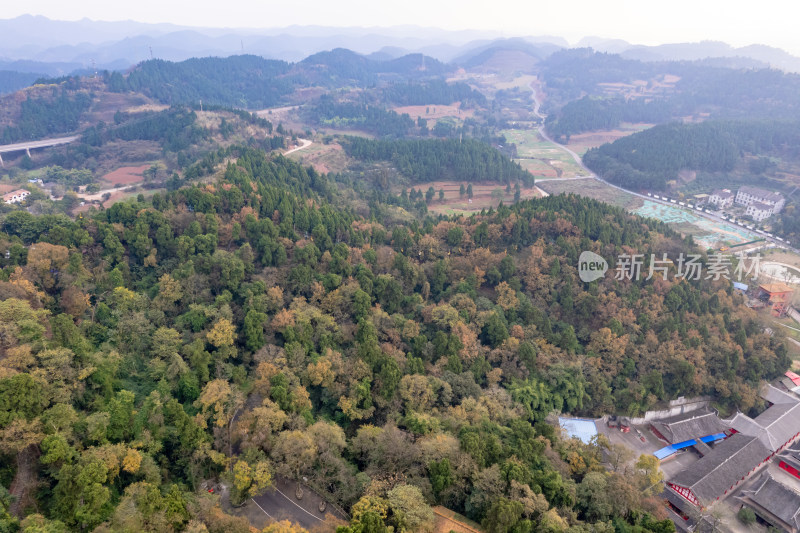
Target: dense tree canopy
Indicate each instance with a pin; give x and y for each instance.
(393, 367)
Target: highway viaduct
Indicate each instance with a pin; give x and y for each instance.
(28, 146)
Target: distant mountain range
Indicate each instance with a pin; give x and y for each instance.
(761, 55)
(36, 44)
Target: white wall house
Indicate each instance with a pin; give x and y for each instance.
(722, 198)
(759, 211)
(747, 195)
(15, 197)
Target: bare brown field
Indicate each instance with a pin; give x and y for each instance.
(584, 141)
(146, 108)
(323, 157)
(538, 167)
(107, 104)
(781, 256)
(126, 175)
(433, 112)
(641, 88)
(522, 82)
(592, 188)
(482, 197)
(4, 188)
(288, 116)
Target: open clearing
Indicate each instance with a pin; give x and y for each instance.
(592, 188)
(781, 256)
(484, 196)
(538, 155)
(435, 111)
(126, 175)
(323, 157)
(582, 142)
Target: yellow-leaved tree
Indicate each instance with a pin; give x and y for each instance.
(222, 334)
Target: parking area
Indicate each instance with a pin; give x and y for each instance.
(639, 439)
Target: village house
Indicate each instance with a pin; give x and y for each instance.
(15, 197)
(747, 195)
(758, 211)
(722, 198)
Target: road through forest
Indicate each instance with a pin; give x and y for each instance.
(592, 175)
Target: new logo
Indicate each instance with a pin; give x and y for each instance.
(591, 266)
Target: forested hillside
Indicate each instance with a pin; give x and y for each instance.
(237, 318)
(432, 92)
(241, 81)
(580, 103)
(648, 159)
(327, 112)
(47, 115)
(450, 159)
(595, 113)
(252, 82)
(175, 128)
(257, 327)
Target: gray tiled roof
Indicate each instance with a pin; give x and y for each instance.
(689, 425)
(782, 423)
(761, 206)
(728, 462)
(775, 426)
(792, 458)
(775, 395)
(722, 193)
(760, 193)
(779, 500)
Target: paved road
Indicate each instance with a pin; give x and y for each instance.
(44, 143)
(590, 174)
(279, 503)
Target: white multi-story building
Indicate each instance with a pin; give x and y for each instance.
(759, 211)
(748, 195)
(722, 198)
(15, 197)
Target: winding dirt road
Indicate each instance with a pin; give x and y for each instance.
(304, 143)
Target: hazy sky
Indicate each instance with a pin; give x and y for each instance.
(737, 22)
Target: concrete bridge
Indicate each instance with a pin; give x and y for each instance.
(28, 146)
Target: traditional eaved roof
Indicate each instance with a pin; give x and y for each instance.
(689, 425)
(791, 458)
(788, 384)
(722, 193)
(779, 500)
(774, 395)
(781, 422)
(775, 287)
(774, 427)
(726, 465)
